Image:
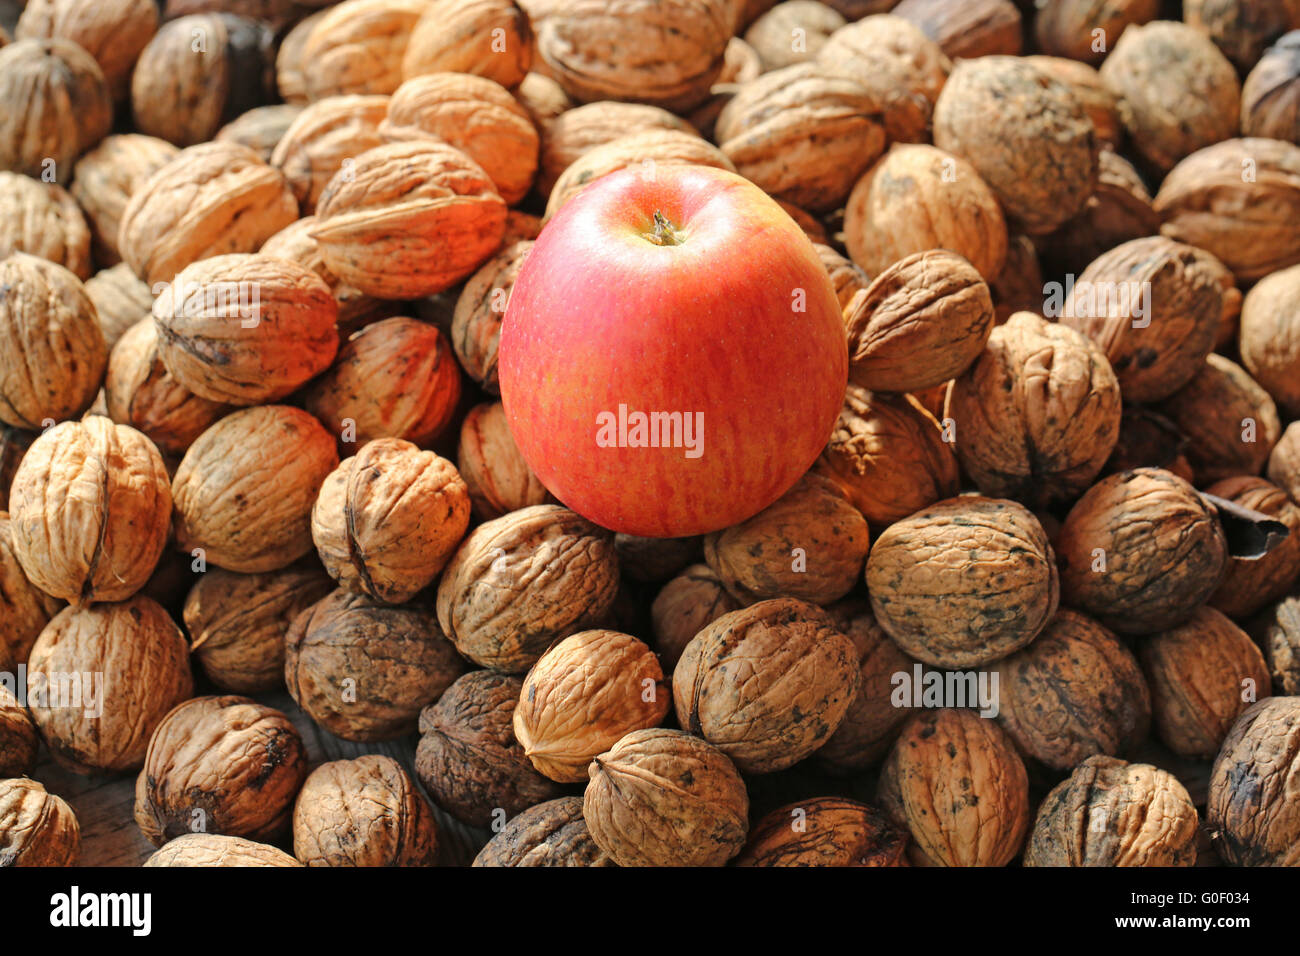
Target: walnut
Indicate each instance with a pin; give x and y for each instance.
(956, 783)
(237, 623)
(356, 309)
(357, 47)
(1242, 28)
(1247, 222)
(522, 581)
(964, 582)
(766, 685)
(244, 491)
(261, 128)
(363, 812)
(684, 606)
(1284, 462)
(290, 79)
(325, 137)
(141, 670)
(1251, 815)
(36, 828)
(824, 831)
(811, 227)
(210, 849)
(550, 834)
(664, 798)
(1270, 97)
(276, 14)
(498, 478)
(210, 200)
(105, 179)
(654, 560)
(1099, 101)
(1281, 641)
(43, 220)
(571, 134)
(19, 741)
(220, 765)
(773, 35)
(1248, 585)
(480, 309)
(52, 353)
(1037, 414)
(544, 99)
(490, 38)
(24, 607)
(922, 321)
(1270, 338)
(114, 34)
(1019, 286)
(846, 276)
(468, 758)
(57, 106)
(966, 28)
(1069, 28)
(1112, 813)
(120, 299)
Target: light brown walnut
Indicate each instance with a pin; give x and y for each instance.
(36, 828)
(494, 471)
(209, 849)
(550, 834)
(824, 831)
(105, 179)
(42, 219)
(489, 38)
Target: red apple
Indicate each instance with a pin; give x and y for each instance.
(672, 356)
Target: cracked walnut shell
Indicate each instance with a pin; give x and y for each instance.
(210, 849)
(824, 831)
(1249, 585)
(553, 833)
(36, 828)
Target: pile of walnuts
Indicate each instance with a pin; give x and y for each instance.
(1036, 602)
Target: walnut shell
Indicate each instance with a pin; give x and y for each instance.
(544, 99)
(792, 32)
(468, 758)
(363, 812)
(290, 79)
(1281, 641)
(357, 47)
(480, 309)
(520, 582)
(52, 353)
(1242, 28)
(1019, 286)
(964, 582)
(1284, 462)
(664, 798)
(1270, 338)
(261, 128)
(356, 309)
(24, 607)
(44, 220)
(549, 834)
(121, 300)
(114, 34)
(276, 14)
(956, 783)
(1069, 28)
(14, 443)
(1112, 813)
(766, 685)
(489, 38)
(654, 560)
(923, 321)
(19, 741)
(966, 28)
(143, 668)
(224, 502)
(1037, 414)
(684, 606)
(237, 623)
(105, 179)
(327, 136)
(824, 831)
(1099, 101)
(36, 828)
(846, 276)
(210, 849)
(1248, 585)
(220, 765)
(1270, 97)
(494, 471)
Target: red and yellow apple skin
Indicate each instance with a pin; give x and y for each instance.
(719, 306)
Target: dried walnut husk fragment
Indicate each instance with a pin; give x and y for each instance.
(19, 741)
(107, 177)
(490, 38)
(553, 833)
(210, 849)
(42, 219)
(1248, 585)
(36, 828)
(24, 607)
(113, 33)
(824, 831)
(495, 473)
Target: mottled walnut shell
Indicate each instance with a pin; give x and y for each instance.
(244, 491)
(1099, 101)
(480, 308)
(923, 320)
(490, 38)
(468, 758)
(290, 81)
(1284, 463)
(1112, 813)
(1140, 550)
(966, 28)
(261, 128)
(684, 606)
(356, 309)
(956, 783)
(964, 582)
(1242, 28)
(494, 471)
(121, 300)
(107, 177)
(220, 765)
(327, 135)
(919, 198)
(357, 47)
(1280, 638)
(388, 519)
(846, 276)
(1249, 585)
(824, 831)
(766, 685)
(19, 741)
(810, 544)
(520, 582)
(1270, 337)
(57, 106)
(113, 33)
(89, 508)
(664, 798)
(52, 353)
(44, 220)
(36, 828)
(549, 834)
(569, 136)
(142, 659)
(1270, 97)
(210, 200)
(209, 850)
(1178, 294)
(654, 560)
(363, 812)
(24, 607)
(1037, 414)
(774, 38)
(1068, 28)
(237, 623)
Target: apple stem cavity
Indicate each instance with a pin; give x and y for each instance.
(665, 233)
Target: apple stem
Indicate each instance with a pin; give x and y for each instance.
(665, 233)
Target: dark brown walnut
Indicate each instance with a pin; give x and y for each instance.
(664, 798)
(57, 106)
(550, 834)
(363, 812)
(1149, 440)
(1242, 29)
(824, 831)
(1154, 306)
(480, 309)
(767, 685)
(846, 276)
(1112, 813)
(582, 696)
(872, 721)
(131, 666)
(1037, 414)
(244, 491)
(956, 783)
(1270, 97)
(1099, 101)
(290, 81)
(1019, 286)
(810, 544)
(523, 581)
(489, 38)
(121, 300)
(276, 14)
(89, 508)
(106, 178)
(1070, 28)
(923, 321)
(655, 560)
(237, 623)
(24, 607)
(220, 765)
(42, 219)
(966, 29)
(209, 200)
(388, 519)
(1075, 692)
(1270, 337)
(325, 137)
(857, 9)
(964, 582)
(114, 34)
(1252, 818)
(1238, 200)
(544, 99)
(1281, 642)
(36, 828)
(52, 352)
(363, 670)
(261, 128)
(1249, 585)
(812, 227)
(573, 132)
(792, 32)
(468, 758)
(357, 47)
(494, 471)
(19, 741)
(1140, 550)
(208, 850)
(684, 607)
(1202, 674)
(1284, 463)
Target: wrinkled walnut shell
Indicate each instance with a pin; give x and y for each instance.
(121, 300)
(107, 177)
(494, 471)
(113, 33)
(19, 740)
(550, 834)
(325, 136)
(24, 607)
(824, 831)
(42, 219)
(210, 849)
(1248, 585)
(1068, 28)
(573, 132)
(261, 128)
(684, 606)
(773, 35)
(36, 828)
(966, 28)
(480, 309)
(489, 38)
(357, 47)
(1270, 338)
(1270, 97)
